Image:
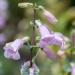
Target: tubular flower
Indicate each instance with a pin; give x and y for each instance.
(50, 17)
(73, 69)
(2, 38)
(11, 49)
(3, 12)
(48, 37)
(27, 70)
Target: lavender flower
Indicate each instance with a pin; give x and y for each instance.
(11, 49)
(2, 38)
(3, 12)
(3, 4)
(49, 38)
(73, 69)
(2, 21)
(27, 70)
(44, 32)
(51, 18)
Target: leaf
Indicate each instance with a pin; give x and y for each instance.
(67, 68)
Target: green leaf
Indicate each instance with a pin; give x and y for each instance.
(67, 68)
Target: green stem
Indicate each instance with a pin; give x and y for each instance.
(33, 42)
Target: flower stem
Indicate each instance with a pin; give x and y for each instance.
(33, 42)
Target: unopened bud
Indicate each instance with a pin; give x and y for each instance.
(24, 5)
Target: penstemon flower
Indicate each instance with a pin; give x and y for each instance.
(49, 38)
(2, 38)
(50, 17)
(27, 70)
(11, 49)
(3, 12)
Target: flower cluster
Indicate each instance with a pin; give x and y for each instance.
(48, 38)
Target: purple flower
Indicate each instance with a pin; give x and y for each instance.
(44, 31)
(50, 17)
(2, 21)
(27, 70)
(11, 49)
(73, 69)
(2, 38)
(3, 12)
(48, 37)
(3, 5)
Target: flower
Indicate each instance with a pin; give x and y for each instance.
(2, 38)
(49, 37)
(50, 17)
(11, 49)
(3, 4)
(2, 21)
(73, 69)
(27, 70)
(3, 12)
(43, 29)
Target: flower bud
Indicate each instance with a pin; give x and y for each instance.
(49, 16)
(24, 5)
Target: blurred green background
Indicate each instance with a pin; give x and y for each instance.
(18, 26)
